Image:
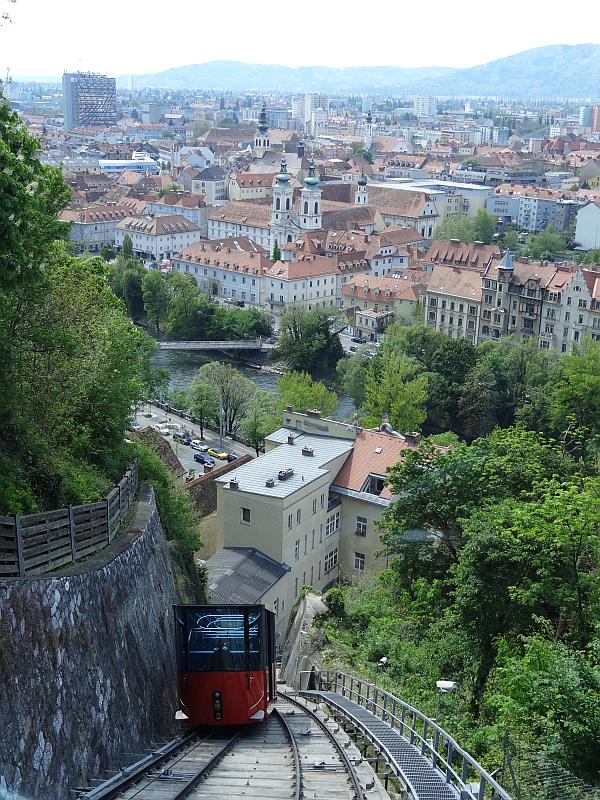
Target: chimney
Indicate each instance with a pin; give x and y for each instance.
(313, 412)
(412, 438)
(307, 451)
(289, 408)
(234, 484)
(290, 438)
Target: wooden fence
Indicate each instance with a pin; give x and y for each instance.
(33, 544)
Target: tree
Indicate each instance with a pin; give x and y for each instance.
(171, 187)
(132, 292)
(309, 338)
(395, 389)
(156, 296)
(276, 252)
(204, 402)
(352, 375)
(127, 247)
(234, 390)
(458, 226)
(484, 226)
(262, 418)
(544, 245)
(453, 359)
(108, 252)
(510, 240)
(478, 401)
(297, 389)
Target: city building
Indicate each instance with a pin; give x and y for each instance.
(157, 238)
(225, 271)
(139, 162)
(89, 100)
(533, 208)
(212, 183)
(311, 502)
(425, 106)
(93, 226)
(595, 119)
(453, 301)
(587, 228)
(371, 303)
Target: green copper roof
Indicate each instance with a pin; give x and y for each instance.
(312, 179)
(284, 176)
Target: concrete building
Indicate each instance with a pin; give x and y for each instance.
(139, 162)
(225, 272)
(425, 106)
(190, 206)
(595, 119)
(585, 116)
(93, 226)
(533, 208)
(212, 183)
(587, 228)
(311, 501)
(453, 302)
(372, 303)
(89, 100)
(157, 238)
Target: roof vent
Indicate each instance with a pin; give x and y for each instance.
(289, 408)
(270, 482)
(284, 474)
(290, 438)
(234, 483)
(378, 450)
(313, 412)
(307, 451)
(412, 437)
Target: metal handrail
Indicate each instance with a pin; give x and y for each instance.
(458, 768)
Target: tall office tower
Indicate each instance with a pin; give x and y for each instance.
(595, 119)
(89, 99)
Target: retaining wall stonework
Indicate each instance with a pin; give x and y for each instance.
(87, 668)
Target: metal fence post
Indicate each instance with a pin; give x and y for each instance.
(72, 533)
(107, 521)
(19, 537)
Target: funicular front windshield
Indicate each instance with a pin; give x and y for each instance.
(224, 639)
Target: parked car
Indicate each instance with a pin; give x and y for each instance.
(358, 339)
(162, 429)
(183, 438)
(202, 459)
(220, 454)
(232, 456)
(199, 445)
(352, 348)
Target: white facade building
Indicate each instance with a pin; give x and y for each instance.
(159, 237)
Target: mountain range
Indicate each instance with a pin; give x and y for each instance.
(553, 71)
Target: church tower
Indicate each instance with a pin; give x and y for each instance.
(261, 140)
(310, 201)
(283, 194)
(361, 196)
(369, 131)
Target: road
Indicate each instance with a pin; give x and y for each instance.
(153, 416)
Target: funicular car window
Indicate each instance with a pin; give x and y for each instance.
(222, 640)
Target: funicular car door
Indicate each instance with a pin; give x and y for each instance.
(255, 674)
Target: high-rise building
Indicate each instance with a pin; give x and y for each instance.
(585, 116)
(89, 100)
(595, 119)
(425, 106)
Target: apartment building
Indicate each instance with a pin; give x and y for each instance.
(225, 272)
(311, 502)
(212, 183)
(372, 303)
(89, 99)
(159, 237)
(587, 230)
(533, 208)
(93, 226)
(453, 302)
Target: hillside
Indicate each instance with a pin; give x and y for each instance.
(552, 71)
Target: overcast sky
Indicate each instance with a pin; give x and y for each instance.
(47, 37)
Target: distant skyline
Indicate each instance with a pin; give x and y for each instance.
(132, 37)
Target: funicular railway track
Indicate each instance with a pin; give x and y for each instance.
(295, 754)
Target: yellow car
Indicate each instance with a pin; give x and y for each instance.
(220, 454)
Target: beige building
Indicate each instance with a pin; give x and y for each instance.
(453, 302)
(371, 303)
(311, 502)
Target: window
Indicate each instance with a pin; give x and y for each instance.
(298, 516)
(333, 524)
(487, 298)
(289, 520)
(305, 542)
(295, 587)
(314, 506)
(297, 549)
(322, 500)
(361, 526)
(359, 562)
(331, 559)
(245, 516)
(313, 539)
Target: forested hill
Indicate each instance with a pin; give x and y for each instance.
(552, 71)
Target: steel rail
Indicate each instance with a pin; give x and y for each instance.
(206, 769)
(349, 766)
(114, 786)
(295, 753)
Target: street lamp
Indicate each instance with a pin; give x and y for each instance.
(443, 688)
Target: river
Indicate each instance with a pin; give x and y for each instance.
(183, 365)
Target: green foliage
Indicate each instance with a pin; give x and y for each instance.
(335, 602)
(308, 339)
(171, 187)
(298, 390)
(203, 402)
(127, 247)
(155, 294)
(234, 391)
(262, 418)
(458, 226)
(276, 256)
(395, 390)
(544, 245)
(352, 375)
(359, 150)
(484, 226)
(108, 252)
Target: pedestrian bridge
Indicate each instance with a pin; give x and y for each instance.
(242, 344)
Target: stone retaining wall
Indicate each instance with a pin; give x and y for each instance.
(87, 667)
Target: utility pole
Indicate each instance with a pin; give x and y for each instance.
(221, 422)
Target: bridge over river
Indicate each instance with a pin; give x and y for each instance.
(240, 344)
